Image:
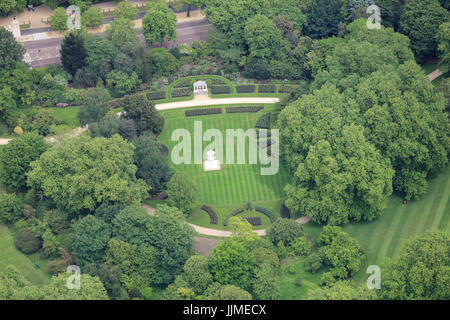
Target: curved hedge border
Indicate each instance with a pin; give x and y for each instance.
(233, 213)
(266, 212)
(212, 214)
(263, 122)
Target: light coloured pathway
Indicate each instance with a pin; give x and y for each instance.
(203, 100)
(435, 74)
(220, 233)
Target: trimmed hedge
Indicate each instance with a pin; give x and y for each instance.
(156, 95)
(183, 84)
(233, 213)
(183, 92)
(246, 88)
(212, 215)
(243, 109)
(285, 89)
(220, 89)
(267, 88)
(263, 122)
(254, 221)
(216, 82)
(284, 211)
(202, 112)
(266, 212)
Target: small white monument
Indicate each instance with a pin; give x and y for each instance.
(211, 163)
(15, 28)
(200, 87)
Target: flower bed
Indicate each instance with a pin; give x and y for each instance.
(263, 122)
(267, 88)
(266, 212)
(202, 112)
(212, 215)
(254, 221)
(156, 95)
(243, 109)
(182, 92)
(233, 213)
(246, 88)
(220, 89)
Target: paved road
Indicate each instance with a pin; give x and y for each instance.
(44, 52)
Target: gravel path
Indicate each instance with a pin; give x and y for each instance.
(206, 101)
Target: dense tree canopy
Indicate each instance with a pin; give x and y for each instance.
(15, 159)
(82, 173)
(231, 263)
(159, 23)
(152, 162)
(420, 21)
(421, 271)
(182, 192)
(10, 50)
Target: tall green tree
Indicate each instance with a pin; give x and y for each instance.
(152, 162)
(11, 51)
(73, 51)
(421, 270)
(95, 106)
(182, 192)
(82, 173)
(58, 21)
(323, 17)
(231, 263)
(125, 10)
(121, 32)
(138, 108)
(420, 21)
(262, 36)
(159, 23)
(15, 159)
(443, 38)
(91, 236)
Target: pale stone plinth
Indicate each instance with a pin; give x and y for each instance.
(211, 163)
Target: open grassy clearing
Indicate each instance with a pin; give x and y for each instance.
(385, 236)
(9, 255)
(309, 281)
(235, 185)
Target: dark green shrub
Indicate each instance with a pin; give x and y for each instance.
(182, 92)
(156, 95)
(247, 88)
(266, 212)
(27, 242)
(267, 88)
(220, 89)
(202, 112)
(243, 109)
(212, 214)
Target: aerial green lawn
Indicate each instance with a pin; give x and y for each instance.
(234, 185)
(385, 236)
(68, 115)
(309, 281)
(9, 255)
